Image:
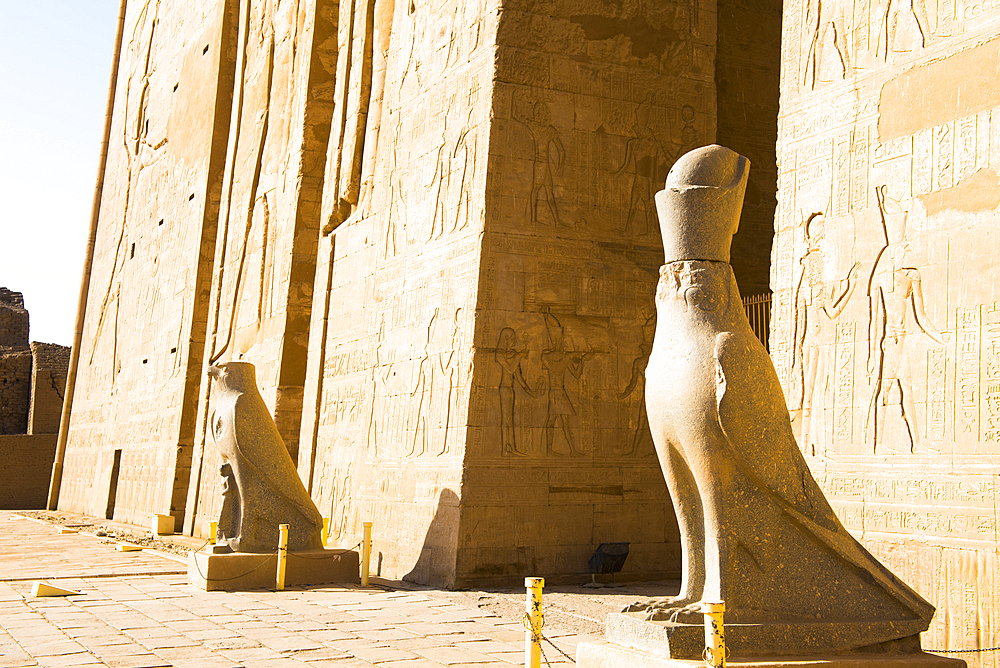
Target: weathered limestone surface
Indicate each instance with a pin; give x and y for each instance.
(386, 402)
(25, 467)
(265, 251)
(887, 311)
(15, 363)
(48, 382)
(141, 354)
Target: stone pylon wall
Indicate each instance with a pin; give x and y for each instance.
(430, 226)
(886, 323)
(144, 334)
(265, 251)
(385, 422)
(479, 323)
(585, 127)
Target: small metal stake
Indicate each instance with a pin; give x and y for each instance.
(366, 553)
(282, 554)
(715, 638)
(534, 618)
(213, 529)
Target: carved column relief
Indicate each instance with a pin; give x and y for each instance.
(908, 202)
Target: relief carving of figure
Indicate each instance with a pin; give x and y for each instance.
(826, 58)
(894, 293)
(557, 362)
(637, 383)
(899, 29)
(509, 358)
(441, 185)
(425, 388)
(817, 306)
(550, 156)
(380, 374)
(647, 157)
(446, 370)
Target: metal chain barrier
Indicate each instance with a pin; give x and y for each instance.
(557, 649)
(526, 622)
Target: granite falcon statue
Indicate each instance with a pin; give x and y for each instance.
(756, 530)
(268, 489)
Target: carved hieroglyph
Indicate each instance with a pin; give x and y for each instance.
(885, 316)
(756, 531)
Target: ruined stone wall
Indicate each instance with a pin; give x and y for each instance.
(15, 363)
(269, 223)
(50, 363)
(143, 340)
(13, 320)
(15, 390)
(25, 468)
(887, 309)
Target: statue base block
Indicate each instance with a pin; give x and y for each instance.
(240, 571)
(634, 641)
(609, 655)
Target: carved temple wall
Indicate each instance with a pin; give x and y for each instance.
(430, 226)
(590, 110)
(886, 317)
(384, 428)
(265, 249)
(131, 430)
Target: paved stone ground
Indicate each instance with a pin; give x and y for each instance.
(136, 610)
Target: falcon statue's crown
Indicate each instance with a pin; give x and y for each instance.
(699, 208)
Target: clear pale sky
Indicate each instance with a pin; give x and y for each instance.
(56, 57)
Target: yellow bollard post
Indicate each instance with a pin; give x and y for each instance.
(213, 529)
(715, 637)
(282, 554)
(326, 530)
(533, 618)
(366, 553)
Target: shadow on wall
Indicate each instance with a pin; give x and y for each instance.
(436, 563)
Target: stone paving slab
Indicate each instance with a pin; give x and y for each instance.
(136, 610)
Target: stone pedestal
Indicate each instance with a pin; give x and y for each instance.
(242, 571)
(637, 643)
(610, 655)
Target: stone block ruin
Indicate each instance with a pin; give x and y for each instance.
(32, 383)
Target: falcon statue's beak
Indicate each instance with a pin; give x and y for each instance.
(215, 372)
